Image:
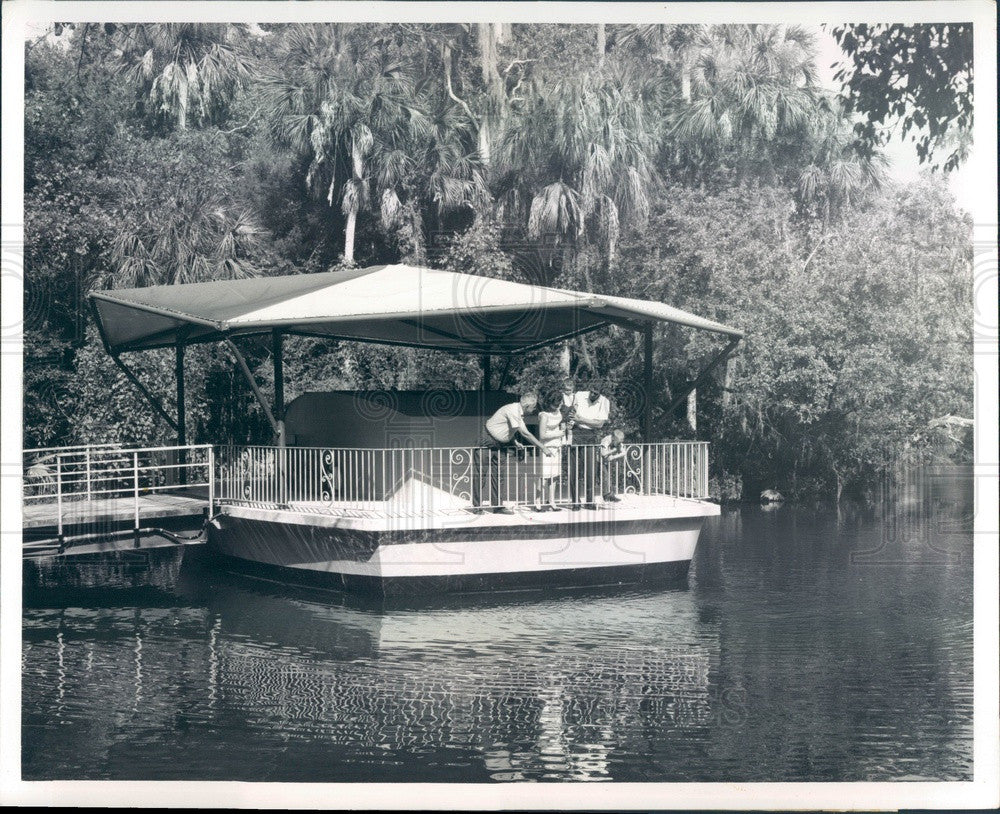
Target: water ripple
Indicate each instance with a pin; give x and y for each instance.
(783, 661)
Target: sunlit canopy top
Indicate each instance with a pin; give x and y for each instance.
(400, 305)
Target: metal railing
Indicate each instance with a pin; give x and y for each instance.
(79, 479)
(415, 480)
(73, 481)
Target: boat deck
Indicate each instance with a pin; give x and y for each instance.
(386, 515)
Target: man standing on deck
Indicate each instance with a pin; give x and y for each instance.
(500, 436)
(590, 411)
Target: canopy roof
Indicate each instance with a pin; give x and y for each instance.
(400, 305)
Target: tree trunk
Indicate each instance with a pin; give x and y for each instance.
(686, 78)
(484, 140)
(727, 384)
(489, 35)
(692, 411)
(358, 168)
(564, 359)
(352, 218)
(602, 44)
(182, 104)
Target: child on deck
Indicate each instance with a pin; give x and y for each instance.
(611, 451)
(551, 433)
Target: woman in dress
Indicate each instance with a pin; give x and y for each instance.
(551, 433)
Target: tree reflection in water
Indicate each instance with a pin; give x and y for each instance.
(809, 646)
(541, 689)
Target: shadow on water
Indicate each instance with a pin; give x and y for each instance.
(794, 654)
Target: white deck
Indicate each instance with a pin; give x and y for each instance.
(382, 516)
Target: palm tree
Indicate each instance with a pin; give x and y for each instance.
(195, 235)
(345, 97)
(448, 171)
(752, 97)
(836, 174)
(185, 71)
(342, 96)
(581, 154)
(676, 46)
(483, 100)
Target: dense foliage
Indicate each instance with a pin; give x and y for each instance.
(918, 75)
(697, 165)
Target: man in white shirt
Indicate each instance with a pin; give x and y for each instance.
(501, 435)
(589, 413)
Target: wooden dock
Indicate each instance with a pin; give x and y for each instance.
(75, 513)
(101, 509)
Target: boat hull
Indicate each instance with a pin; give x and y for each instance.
(464, 552)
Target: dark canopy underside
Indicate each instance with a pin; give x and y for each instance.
(400, 305)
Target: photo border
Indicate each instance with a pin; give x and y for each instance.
(981, 792)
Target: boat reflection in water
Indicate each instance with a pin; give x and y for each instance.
(810, 646)
(530, 688)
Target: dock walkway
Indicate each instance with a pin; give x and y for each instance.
(112, 510)
(72, 494)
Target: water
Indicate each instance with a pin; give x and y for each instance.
(806, 646)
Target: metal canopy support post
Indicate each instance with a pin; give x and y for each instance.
(253, 385)
(181, 416)
(647, 382)
(179, 378)
(504, 374)
(277, 361)
(718, 359)
(279, 384)
(485, 361)
(153, 401)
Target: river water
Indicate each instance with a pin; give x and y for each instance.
(807, 645)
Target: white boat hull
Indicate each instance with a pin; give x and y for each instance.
(641, 539)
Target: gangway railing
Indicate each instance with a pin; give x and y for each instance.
(71, 484)
(412, 479)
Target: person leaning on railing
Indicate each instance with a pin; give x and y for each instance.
(501, 435)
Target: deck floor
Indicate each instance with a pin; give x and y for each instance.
(38, 514)
(381, 516)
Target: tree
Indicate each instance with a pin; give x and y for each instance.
(836, 174)
(916, 76)
(580, 153)
(181, 216)
(108, 203)
(185, 72)
(674, 45)
(345, 98)
(752, 98)
(444, 175)
(856, 334)
(74, 109)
